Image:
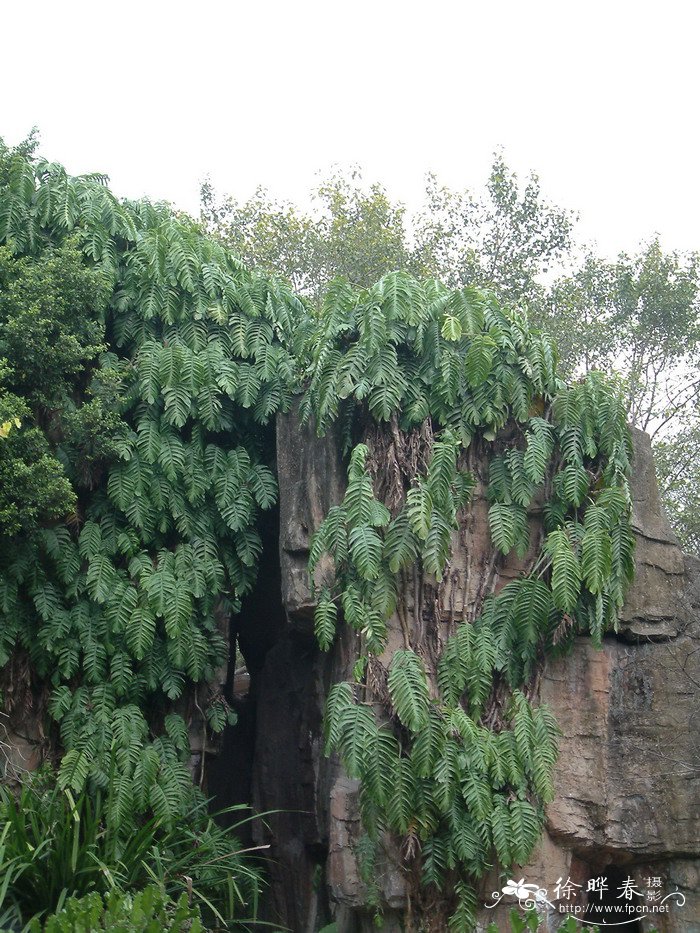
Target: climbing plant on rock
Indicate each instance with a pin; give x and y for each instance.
(144, 361)
(140, 364)
(457, 761)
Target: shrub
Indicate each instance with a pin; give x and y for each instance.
(148, 911)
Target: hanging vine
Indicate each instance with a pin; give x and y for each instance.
(184, 356)
(459, 764)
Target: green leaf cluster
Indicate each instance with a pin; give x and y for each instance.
(144, 363)
(466, 792)
(471, 786)
(417, 349)
(65, 859)
(148, 911)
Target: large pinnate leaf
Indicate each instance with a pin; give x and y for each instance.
(566, 570)
(408, 689)
(366, 551)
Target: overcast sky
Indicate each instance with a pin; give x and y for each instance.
(599, 98)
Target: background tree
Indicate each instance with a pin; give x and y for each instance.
(640, 318)
(349, 231)
(508, 238)
(678, 468)
(636, 315)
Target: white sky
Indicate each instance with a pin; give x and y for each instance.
(600, 98)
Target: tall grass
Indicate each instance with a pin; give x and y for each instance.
(54, 845)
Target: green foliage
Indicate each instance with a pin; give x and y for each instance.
(143, 363)
(636, 315)
(353, 232)
(678, 469)
(503, 237)
(528, 922)
(399, 361)
(51, 336)
(148, 911)
(408, 689)
(466, 772)
(55, 844)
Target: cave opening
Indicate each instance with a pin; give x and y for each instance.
(252, 632)
(610, 904)
(267, 761)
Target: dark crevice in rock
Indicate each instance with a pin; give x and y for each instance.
(253, 632)
(272, 758)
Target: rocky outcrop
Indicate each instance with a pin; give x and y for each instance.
(627, 776)
(658, 603)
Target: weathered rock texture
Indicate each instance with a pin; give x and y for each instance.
(628, 772)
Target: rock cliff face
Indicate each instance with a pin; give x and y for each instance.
(628, 771)
(629, 767)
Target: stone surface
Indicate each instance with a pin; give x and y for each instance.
(655, 606)
(627, 777)
(311, 480)
(628, 768)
